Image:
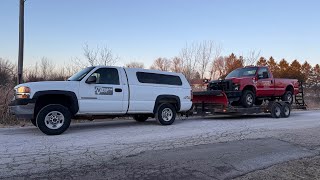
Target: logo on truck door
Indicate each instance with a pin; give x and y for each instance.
(103, 90)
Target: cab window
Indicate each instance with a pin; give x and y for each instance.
(107, 76)
(263, 73)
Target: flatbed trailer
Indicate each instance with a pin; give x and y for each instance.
(216, 102)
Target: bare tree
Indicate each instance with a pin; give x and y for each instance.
(90, 54)
(162, 64)
(98, 56)
(190, 56)
(205, 54)
(46, 67)
(7, 72)
(219, 67)
(252, 57)
(134, 64)
(107, 58)
(176, 65)
(216, 59)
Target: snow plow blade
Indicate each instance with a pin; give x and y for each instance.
(209, 99)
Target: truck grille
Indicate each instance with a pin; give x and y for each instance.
(223, 85)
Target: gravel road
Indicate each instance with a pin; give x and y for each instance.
(195, 148)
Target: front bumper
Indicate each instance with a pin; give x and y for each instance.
(233, 94)
(22, 108)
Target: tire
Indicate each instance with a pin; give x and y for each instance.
(285, 110)
(247, 98)
(53, 119)
(166, 114)
(288, 96)
(258, 102)
(140, 118)
(276, 110)
(34, 122)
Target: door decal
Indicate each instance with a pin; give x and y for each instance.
(103, 90)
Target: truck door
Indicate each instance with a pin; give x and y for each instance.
(265, 83)
(105, 95)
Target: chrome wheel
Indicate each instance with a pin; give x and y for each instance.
(249, 99)
(167, 114)
(289, 98)
(54, 120)
(286, 110)
(277, 111)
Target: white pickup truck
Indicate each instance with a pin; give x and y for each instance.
(102, 91)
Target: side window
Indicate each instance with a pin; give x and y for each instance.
(263, 73)
(153, 78)
(107, 76)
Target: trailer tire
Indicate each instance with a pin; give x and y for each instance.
(247, 98)
(285, 110)
(276, 110)
(166, 114)
(140, 117)
(53, 119)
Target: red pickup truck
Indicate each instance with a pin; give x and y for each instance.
(252, 85)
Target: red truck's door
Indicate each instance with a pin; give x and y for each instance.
(265, 83)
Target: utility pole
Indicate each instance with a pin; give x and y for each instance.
(21, 41)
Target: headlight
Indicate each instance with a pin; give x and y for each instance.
(23, 92)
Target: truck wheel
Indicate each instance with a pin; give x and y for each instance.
(247, 98)
(285, 110)
(287, 97)
(276, 110)
(53, 119)
(140, 118)
(34, 122)
(166, 114)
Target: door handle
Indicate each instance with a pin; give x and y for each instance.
(118, 90)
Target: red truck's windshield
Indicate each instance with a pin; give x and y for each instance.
(243, 72)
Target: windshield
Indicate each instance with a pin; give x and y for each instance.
(243, 72)
(81, 74)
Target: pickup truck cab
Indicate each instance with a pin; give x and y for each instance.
(252, 85)
(102, 91)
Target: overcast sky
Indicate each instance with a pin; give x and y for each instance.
(143, 30)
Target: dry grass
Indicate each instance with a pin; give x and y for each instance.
(5, 98)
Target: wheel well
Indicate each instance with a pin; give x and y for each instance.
(47, 99)
(171, 99)
(289, 88)
(250, 88)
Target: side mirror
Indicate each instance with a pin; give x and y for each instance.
(91, 80)
(265, 75)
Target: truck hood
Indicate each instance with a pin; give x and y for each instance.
(51, 85)
(238, 80)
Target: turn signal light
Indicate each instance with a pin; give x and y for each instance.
(23, 89)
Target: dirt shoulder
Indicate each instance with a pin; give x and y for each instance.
(305, 168)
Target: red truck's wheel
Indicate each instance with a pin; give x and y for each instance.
(247, 98)
(287, 97)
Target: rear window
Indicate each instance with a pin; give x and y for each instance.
(154, 78)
